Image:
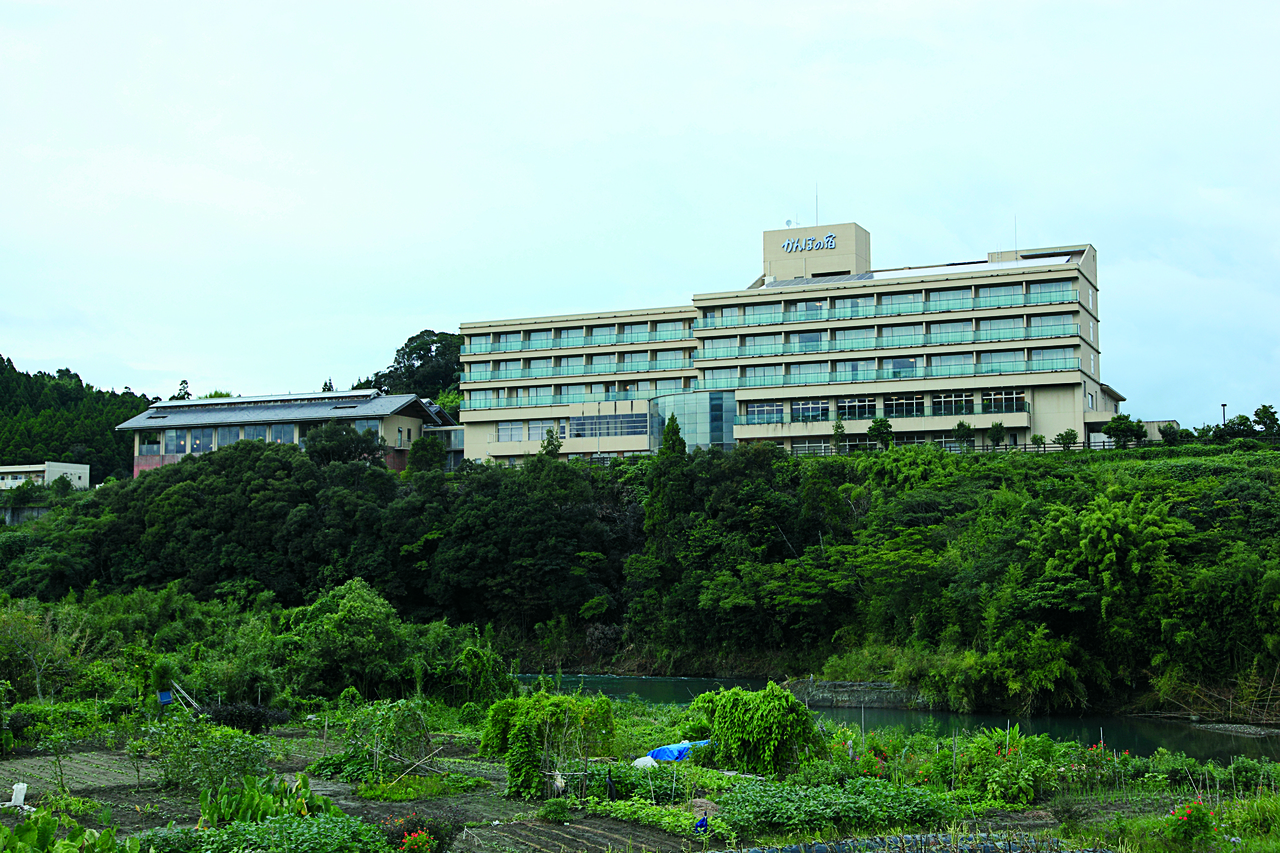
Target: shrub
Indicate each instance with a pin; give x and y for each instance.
(171, 839)
(543, 731)
(763, 808)
(761, 731)
(354, 765)
(289, 834)
(554, 811)
(440, 829)
(193, 754)
(1191, 822)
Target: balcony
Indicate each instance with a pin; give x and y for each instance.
(930, 307)
(939, 371)
(562, 399)
(581, 341)
(578, 370)
(893, 341)
(892, 412)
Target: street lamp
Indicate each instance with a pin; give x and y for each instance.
(1224, 414)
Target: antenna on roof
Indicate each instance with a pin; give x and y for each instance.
(1015, 238)
(815, 203)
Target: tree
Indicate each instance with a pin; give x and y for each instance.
(1066, 439)
(426, 454)
(428, 364)
(837, 434)
(335, 442)
(184, 391)
(963, 433)
(1170, 434)
(996, 433)
(215, 394)
(551, 444)
(1266, 419)
(1239, 426)
(1037, 441)
(328, 385)
(672, 441)
(881, 431)
(1123, 430)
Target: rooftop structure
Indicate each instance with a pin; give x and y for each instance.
(820, 335)
(43, 473)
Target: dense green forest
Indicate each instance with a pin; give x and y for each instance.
(58, 418)
(1015, 580)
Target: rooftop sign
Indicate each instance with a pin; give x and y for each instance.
(810, 244)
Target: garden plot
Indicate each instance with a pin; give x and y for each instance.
(586, 835)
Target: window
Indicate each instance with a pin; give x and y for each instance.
(902, 367)
(641, 329)
(806, 411)
(511, 430)
(727, 311)
(856, 408)
(953, 403)
(282, 433)
(175, 441)
(540, 335)
(810, 446)
(633, 357)
(399, 437)
(996, 323)
(807, 341)
(670, 355)
(669, 384)
(812, 368)
(509, 338)
(720, 373)
(538, 429)
(604, 359)
(257, 432)
(764, 413)
(609, 426)
(149, 443)
(904, 406)
(853, 303)
(903, 331)
(1001, 357)
(1052, 354)
(762, 341)
(865, 365)
(202, 439)
(570, 390)
(540, 363)
(956, 294)
(228, 435)
(364, 424)
(864, 334)
(1003, 402)
(1038, 287)
(1052, 320)
(720, 343)
(766, 370)
(538, 391)
(1092, 366)
(603, 331)
(571, 335)
(951, 359)
(1090, 330)
(1091, 401)
(762, 310)
(1000, 292)
(955, 331)
(573, 361)
(671, 326)
(901, 298)
(509, 365)
(808, 305)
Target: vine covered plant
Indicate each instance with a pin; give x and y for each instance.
(764, 731)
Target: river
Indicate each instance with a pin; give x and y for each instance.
(1139, 735)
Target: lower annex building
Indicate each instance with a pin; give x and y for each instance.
(1012, 339)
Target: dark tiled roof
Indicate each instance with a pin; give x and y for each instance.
(285, 409)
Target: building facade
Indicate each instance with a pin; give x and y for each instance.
(169, 431)
(819, 336)
(12, 476)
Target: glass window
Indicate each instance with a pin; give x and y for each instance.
(809, 368)
(538, 391)
(853, 303)
(573, 361)
(953, 403)
(228, 435)
(807, 341)
(903, 331)
(1003, 401)
(855, 334)
(633, 357)
(669, 384)
(729, 311)
(571, 334)
(721, 373)
(257, 432)
(538, 429)
(765, 370)
(150, 443)
(570, 390)
(1049, 286)
(1051, 320)
(810, 446)
(202, 439)
(954, 294)
(363, 425)
(763, 340)
(808, 305)
(902, 366)
(1000, 323)
(904, 406)
(1001, 290)
(670, 354)
(540, 335)
(510, 430)
(608, 426)
(810, 410)
(856, 408)
(604, 359)
(282, 433)
(952, 359)
(603, 332)
(1000, 357)
(1052, 354)
(720, 343)
(635, 329)
(765, 407)
(671, 326)
(1091, 401)
(539, 363)
(509, 365)
(766, 308)
(175, 441)
(901, 298)
(508, 337)
(860, 366)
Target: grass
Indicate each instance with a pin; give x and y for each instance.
(408, 788)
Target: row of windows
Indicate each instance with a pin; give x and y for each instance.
(837, 303)
(943, 403)
(894, 363)
(587, 426)
(576, 333)
(821, 446)
(956, 327)
(550, 391)
(174, 442)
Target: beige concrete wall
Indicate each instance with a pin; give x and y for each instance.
(1055, 408)
(391, 423)
(801, 252)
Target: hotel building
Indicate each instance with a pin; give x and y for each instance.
(820, 335)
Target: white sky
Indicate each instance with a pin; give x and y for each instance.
(257, 196)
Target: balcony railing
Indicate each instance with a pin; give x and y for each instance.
(922, 307)
(580, 341)
(892, 411)
(578, 370)
(892, 341)
(936, 371)
(562, 399)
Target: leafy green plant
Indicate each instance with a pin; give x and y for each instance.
(677, 820)
(324, 833)
(353, 765)
(764, 731)
(254, 719)
(765, 808)
(411, 787)
(399, 731)
(1191, 822)
(255, 799)
(541, 732)
(397, 829)
(43, 833)
(195, 755)
(554, 811)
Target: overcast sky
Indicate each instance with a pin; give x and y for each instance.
(258, 196)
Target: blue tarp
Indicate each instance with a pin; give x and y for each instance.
(675, 751)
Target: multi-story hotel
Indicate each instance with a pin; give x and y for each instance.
(820, 335)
